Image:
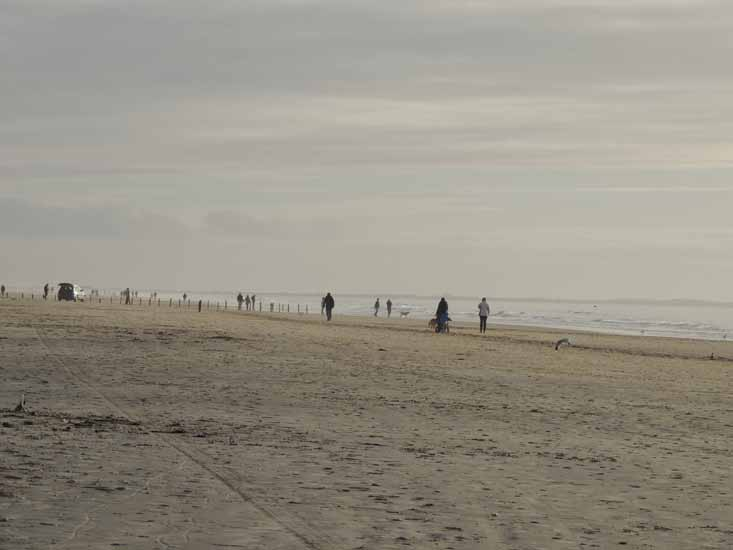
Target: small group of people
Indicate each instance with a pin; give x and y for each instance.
(249, 303)
(442, 318)
(389, 308)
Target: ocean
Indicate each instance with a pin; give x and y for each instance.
(672, 318)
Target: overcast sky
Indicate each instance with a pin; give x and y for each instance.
(554, 148)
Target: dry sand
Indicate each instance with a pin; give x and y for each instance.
(164, 428)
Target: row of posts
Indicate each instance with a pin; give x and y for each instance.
(279, 308)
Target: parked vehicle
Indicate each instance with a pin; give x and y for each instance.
(66, 292)
(71, 293)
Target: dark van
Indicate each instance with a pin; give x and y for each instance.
(66, 292)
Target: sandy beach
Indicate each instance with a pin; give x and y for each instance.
(166, 428)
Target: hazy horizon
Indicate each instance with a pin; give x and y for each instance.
(549, 148)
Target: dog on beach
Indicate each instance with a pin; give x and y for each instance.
(562, 341)
(433, 325)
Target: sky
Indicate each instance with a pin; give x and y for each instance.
(533, 148)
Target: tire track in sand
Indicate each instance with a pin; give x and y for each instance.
(294, 526)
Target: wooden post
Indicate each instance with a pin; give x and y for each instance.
(260, 306)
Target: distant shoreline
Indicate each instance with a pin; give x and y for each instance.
(692, 302)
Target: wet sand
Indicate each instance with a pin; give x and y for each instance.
(165, 428)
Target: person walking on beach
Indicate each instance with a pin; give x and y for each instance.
(240, 301)
(483, 314)
(128, 296)
(247, 302)
(328, 304)
(2, 291)
(441, 315)
(389, 308)
(252, 301)
(45, 291)
(376, 308)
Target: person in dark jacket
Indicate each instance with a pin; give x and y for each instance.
(328, 303)
(441, 315)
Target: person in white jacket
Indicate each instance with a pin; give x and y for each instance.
(483, 314)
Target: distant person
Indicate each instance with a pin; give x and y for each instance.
(185, 296)
(247, 302)
(240, 301)
(253, 302)
(376, 307)
(328, 304)
(2, 291)
(441, 315)
(45, 291)
(483, 314)
(389, 307)
(128, 296)
(323, 304)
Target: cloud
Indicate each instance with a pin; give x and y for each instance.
(241, 225)
(25, 219)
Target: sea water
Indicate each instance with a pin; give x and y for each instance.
(683, 319)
